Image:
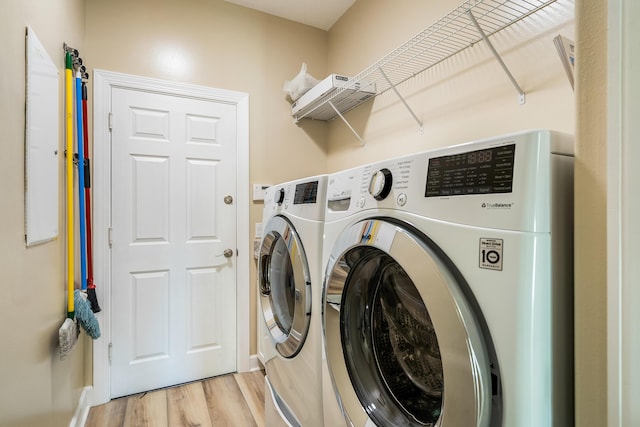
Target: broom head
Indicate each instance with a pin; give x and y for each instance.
(93, 298)
(67, 336)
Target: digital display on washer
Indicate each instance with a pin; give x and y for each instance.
(306, 193)
(474, 172)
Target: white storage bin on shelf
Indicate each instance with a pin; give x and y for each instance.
(350, 95)
(471, 22)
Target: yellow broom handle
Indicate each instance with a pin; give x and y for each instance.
(69, 163)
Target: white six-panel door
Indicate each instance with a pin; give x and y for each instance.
(173, 289)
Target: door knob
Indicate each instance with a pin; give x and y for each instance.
(228, 253)
(228, 200)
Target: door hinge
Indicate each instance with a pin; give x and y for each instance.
(110, 236)
(110, 348)
(110, 120)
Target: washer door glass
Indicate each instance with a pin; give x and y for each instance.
(399, 327)
(285, 286)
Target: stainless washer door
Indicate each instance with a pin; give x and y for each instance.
(285, 286)
(403, 344)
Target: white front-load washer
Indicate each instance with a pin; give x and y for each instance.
(290, 293)
(448, 286)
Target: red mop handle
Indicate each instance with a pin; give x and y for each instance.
(87, 190)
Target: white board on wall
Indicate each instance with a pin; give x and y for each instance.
(41, 144)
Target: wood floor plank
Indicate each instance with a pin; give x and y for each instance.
(147, 410)
(110, 414)
(227, 406)
(187, 406)
(231, 400)
(251, 385)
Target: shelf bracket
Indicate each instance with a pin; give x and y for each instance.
(521, 94)
(402, 99)
(346, 122)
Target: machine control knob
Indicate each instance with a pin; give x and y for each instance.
(380, 184)
(279, 197)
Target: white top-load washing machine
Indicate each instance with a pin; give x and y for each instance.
(448, 286)
(290, 293)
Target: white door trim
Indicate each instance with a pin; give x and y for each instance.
(103, 82)
(623, 208)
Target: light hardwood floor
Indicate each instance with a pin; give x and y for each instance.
(228, 400)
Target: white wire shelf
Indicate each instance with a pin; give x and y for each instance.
(471, 22)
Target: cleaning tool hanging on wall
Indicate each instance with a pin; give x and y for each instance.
(91, 286)
(86, 319)
(81, 215)
(85, 316)
(68, 332)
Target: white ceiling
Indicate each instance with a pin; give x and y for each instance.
(316, 13)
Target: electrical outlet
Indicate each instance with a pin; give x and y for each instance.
(259, 191)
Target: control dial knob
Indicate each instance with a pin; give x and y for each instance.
(279, 197)
(380, 184)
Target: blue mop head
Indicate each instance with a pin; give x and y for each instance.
(85, 316)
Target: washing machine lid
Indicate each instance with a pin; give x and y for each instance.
(285, 286)
(403, 344)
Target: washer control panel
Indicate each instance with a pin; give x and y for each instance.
(305, 198)
(500, 182)
(485, 171)
(372, 185)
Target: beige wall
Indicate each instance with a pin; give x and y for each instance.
(36, 388)
(214, 43)
(591, 214)
(464, 98)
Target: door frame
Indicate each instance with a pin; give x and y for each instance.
(623, 206)
(104, 82)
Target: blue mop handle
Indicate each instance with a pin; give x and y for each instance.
(81, 213)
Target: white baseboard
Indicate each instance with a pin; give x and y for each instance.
(254, 363)
(82, 410)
